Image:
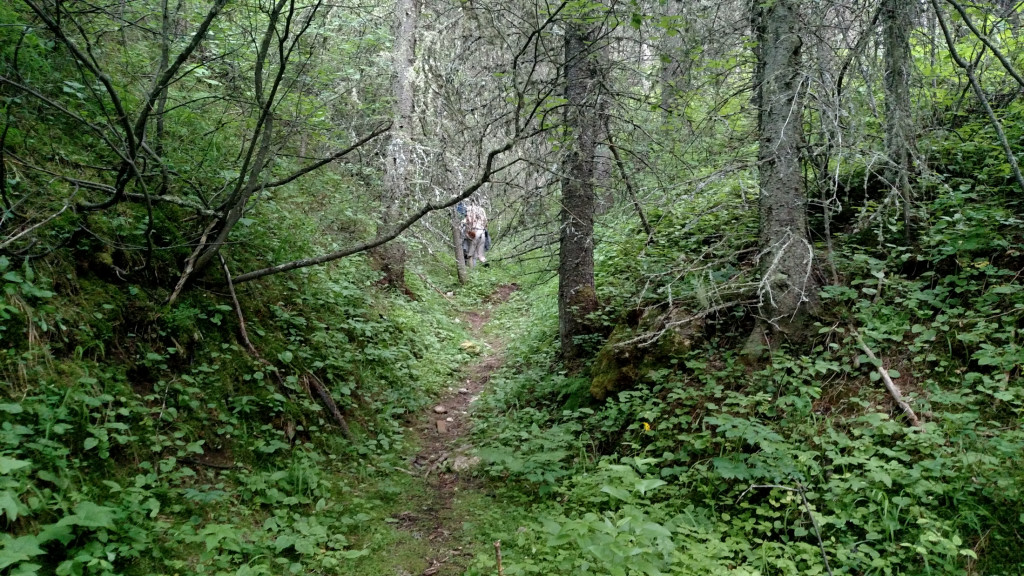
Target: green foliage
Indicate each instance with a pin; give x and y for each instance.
(710, 466)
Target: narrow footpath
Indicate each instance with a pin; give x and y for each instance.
(445, 461)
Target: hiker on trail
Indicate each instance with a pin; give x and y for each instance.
(476, 240)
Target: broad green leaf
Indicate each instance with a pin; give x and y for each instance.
(729, 468)
(648, 484)
(17, 550)
(90, 515)
(8, 465)
(9, 505)
(619, 493)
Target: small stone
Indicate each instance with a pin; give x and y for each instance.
(439, 409)
(464, 463)
(463, 390)
(442, 427)
(450, 419)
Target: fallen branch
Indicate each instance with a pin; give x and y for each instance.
(191, 262)
(887, 380)
(315, 385)
(497, 552)
(968, 67)
(238, 308)
(807, 506)
(646, 339)
(14, 238)
(436, 289)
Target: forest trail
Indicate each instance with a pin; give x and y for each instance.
(444, 461)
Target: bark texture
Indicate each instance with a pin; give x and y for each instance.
(577, 297)
(897, 23)
(788, 289)
(391, 257)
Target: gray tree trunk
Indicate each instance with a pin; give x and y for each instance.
(788, 288)
(577, 297)
(676, 63)
(391, 257)
(897, 23)
(460, 258)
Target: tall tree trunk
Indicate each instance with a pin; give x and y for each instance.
(676, 60)
(577, 296)
(897, 22)
(391, 257)
(788, 288)
(460, 258)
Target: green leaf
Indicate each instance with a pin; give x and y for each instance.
(619, 493)
(91, 443)
(654, 529)
(90, 515)
(648, 484)
(17, 550)
(9, 505)
(729, 468)
(26, 569)
(8, 465)
(55, 532)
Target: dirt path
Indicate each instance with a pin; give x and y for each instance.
(444, 459)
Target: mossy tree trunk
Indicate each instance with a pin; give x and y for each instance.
(577, 297)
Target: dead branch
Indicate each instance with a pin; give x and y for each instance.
(191, 262)
(14, 238)
(341, 153)
(887, 380)
(497, 553)
(807, 507)
(317, 386)
(238, 308)
(644, 340)
(436, 289)
(629, 185)
(980, 93)
(485, 177)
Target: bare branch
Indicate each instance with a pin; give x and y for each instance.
(485, 177)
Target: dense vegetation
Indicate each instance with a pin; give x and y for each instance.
(230, 282)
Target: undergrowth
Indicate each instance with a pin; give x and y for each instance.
(140, 438)
(802, 465)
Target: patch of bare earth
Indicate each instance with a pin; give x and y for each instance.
(445, 460)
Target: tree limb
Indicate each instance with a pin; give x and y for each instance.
(319, 163)
(984, 40)
(969, 69)
(485, 177)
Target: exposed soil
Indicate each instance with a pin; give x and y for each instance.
(444, 459)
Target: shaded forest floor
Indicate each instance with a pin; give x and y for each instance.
(442, 503)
